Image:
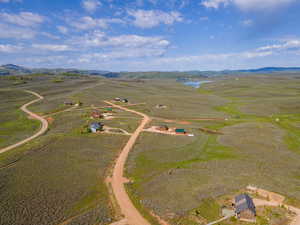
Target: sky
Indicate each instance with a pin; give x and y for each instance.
(150, 35)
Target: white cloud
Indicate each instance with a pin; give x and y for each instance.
(87, 22)
(50, 47)
(99, 39)
(286, 45)
(16, 32)
(91, 5)
(62, 29)
(7, 1)
(10, 48)
(204, 18)
(152, 18)
(26, 19)
(248, 4)
(247, 23)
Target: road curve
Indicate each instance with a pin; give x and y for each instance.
(131, 214)
(33, 115)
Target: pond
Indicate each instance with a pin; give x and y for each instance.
(197, 84)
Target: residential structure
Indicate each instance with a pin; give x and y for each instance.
(244, 207)
(95, 127)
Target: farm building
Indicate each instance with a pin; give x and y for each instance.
(160, 106)
(68, 103)
(109, 109)
(95, 127)
(163, 128)
(117, 99)
(96, 115)
(124, 100)
(180, 131)
(244, 207)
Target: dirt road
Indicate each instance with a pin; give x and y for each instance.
(131, 214)
(33, 115)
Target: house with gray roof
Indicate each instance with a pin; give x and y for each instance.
(244, 207)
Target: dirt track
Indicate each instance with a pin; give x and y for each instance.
(131, 214)
(33, 115)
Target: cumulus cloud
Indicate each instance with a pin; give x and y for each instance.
(62, 29)
(100, 39)
(26, 19)
(7, 1)
(248, 4)
(247, 23)
(288, 45)
(51, 47)
(10, 48)
(16, 32)
(87, 23)
(152, 18)
(91, 5)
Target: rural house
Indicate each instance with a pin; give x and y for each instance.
(163, 128)
(96, 115)
(244, 207)
(95, 127)
(68, 103)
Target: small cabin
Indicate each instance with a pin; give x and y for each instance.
(96, 115)
(163, 128)
(68, 103)
(95, 127)
(244, 207)
(180, 131)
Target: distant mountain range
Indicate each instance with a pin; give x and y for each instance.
(11, 69)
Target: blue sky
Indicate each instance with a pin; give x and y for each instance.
(143, 35)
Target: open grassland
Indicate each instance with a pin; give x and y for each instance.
(15, 125)
(174, 176)
(59, 177)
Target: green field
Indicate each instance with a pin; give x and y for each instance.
(59, 177)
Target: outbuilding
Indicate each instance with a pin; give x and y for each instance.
(244, 207)
(180, 131)
(163, 128)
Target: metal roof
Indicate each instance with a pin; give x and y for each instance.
(244, 202)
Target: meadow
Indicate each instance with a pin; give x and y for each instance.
(59, 178)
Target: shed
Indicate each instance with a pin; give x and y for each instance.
(109, 109)
(68, 103)
(94, 127)
(244, 207)
(180, 131)
(96, 115)
(163, 128)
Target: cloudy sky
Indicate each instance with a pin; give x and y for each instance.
(141, 35)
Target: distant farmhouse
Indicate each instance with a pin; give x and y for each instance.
(96, 127)
(124, 100)
(245, 208)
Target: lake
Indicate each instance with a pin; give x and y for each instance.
(196, 84)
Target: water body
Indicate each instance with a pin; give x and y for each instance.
(196, 84)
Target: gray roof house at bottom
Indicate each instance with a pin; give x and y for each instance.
(244, 202)
(96, 126)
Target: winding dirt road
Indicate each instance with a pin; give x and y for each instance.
(33, 115)
(131, 214)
